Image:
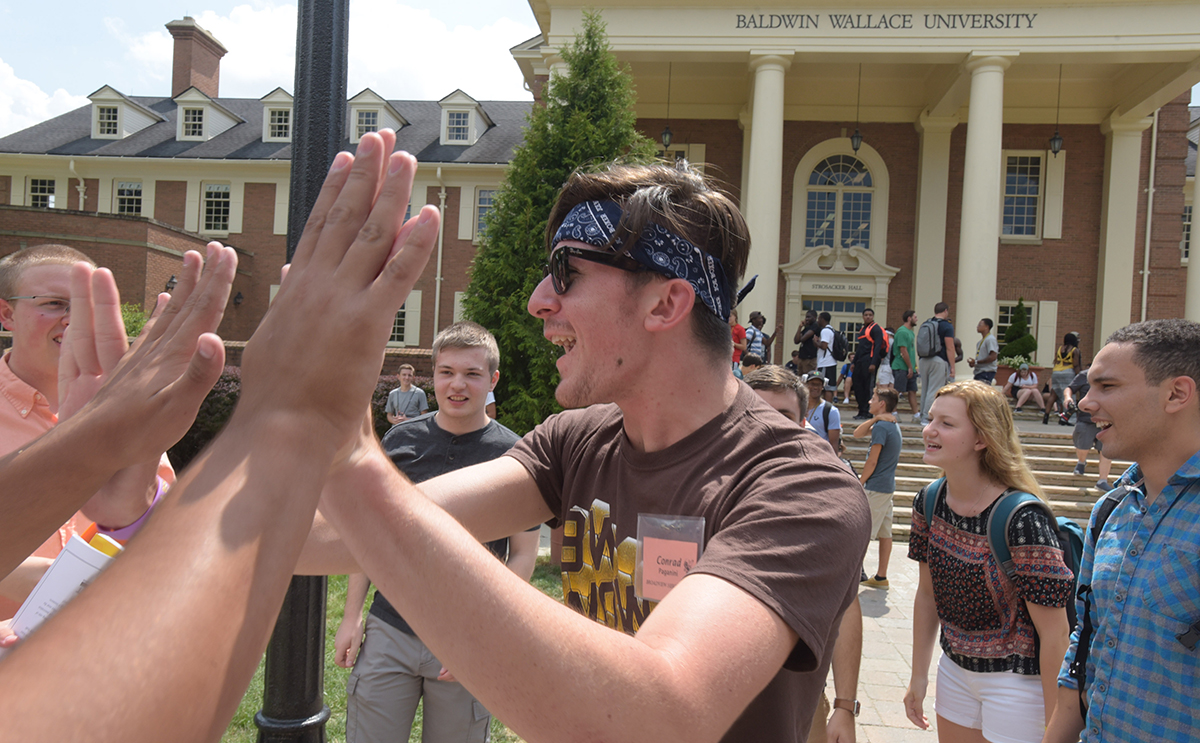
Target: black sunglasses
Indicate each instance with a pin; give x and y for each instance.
(559, 266)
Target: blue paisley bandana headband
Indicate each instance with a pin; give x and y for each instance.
(657, 248)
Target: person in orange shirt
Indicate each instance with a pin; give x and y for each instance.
(35, 306)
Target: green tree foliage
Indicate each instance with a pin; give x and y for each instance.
(1017, 339)
(134, 318)
(587, 119)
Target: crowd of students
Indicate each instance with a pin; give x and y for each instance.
(714, 536)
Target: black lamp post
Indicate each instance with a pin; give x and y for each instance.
(294, 710)
(666, 135)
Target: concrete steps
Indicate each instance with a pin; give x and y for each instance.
(1048, 451)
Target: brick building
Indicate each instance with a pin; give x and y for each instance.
(954, 191)
(135, 181)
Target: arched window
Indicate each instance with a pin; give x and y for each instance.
(838, 200)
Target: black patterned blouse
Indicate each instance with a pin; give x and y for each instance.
(985, 625)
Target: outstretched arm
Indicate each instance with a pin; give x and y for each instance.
(847, 659)
(224, 541)
(147, 399)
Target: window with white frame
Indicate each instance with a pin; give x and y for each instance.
(838, 201)
(41, 192)
(216, 207)
(458, 126)
(367, 121)
(128, 198)
(485, 198)
(107, 121)
(193, 123)
(398, 325)
(1023, 179)
(1004, 317)
(1185, 243)
(279, 124)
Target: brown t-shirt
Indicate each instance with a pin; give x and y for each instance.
(784, 521)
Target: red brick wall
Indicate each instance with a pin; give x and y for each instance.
(1168, 279)
(140, 271)
(722, 142)
(5, 189)
(257, 272)
(71, 195)
(170, 202)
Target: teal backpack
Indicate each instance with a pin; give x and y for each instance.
(1069, 533)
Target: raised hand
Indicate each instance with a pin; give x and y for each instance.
(352, 270)
(147, 397)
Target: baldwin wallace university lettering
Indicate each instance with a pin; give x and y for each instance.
(888, 21)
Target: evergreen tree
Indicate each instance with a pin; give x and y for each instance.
(587, 119)
(1018, 341)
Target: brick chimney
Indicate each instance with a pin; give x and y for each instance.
(197, 58)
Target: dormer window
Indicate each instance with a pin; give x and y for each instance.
(368, 121)
(108, 121)
(115, 117)
(279, 124)
(458, 126)
(201, 117)
(370, 113)
(277, 116)
(463, 120)
(193, 123)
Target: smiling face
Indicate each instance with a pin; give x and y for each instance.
(1127, 409)
(460, 383)
(37, 325)
(597, 324)
(950, 438)
(406, 378)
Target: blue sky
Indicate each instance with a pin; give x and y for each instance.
(417, 49)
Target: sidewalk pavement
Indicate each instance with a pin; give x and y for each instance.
(887, 655)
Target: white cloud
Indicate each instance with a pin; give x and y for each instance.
(396, 50)
(23, 103)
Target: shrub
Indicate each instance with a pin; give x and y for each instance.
(1018, 341)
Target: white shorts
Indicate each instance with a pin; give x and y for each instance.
(1007, 707)
(885, 375)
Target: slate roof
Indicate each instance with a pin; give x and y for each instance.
(70, 134)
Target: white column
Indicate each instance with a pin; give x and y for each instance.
(765, 184)
(979, 236)
(747, 127)
(1192, 299)
(1118, 224)
(933, 189)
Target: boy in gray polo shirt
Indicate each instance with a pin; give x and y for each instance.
(878, 476)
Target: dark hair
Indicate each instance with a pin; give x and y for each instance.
(891, 398)
(826, 317)
(988, 322)
(751, 359)
(1163, 348)
(810, 312)
(940, 307)
(868, 309)
(778, 379)
(907, 314)
(679, 199)
(1070, 339)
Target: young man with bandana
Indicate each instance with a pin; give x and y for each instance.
(641, 277)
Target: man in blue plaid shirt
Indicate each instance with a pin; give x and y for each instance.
(1143, 665)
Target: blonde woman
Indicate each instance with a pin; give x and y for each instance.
(996, 678)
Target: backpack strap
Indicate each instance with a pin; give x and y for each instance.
(932, 491)
(1078, 667)
(825, 415)
(1000, 520)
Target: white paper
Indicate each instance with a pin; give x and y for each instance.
(75, 567)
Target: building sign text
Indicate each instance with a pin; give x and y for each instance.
(886, 21)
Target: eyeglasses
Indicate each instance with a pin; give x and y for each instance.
(559, 266)
(48, 305)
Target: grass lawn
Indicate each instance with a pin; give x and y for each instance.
(546, 577)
